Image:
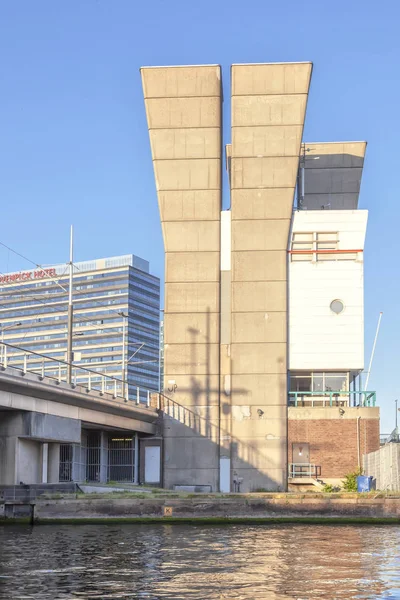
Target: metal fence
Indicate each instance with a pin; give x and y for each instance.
(109, 457)
(121, 459)
(384, 466)
(65, 462)
(93, 456)
(26, 493)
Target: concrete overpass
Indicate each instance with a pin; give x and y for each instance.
(40, 415)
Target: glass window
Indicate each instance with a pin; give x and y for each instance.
(318, 382)
(300, 382)
(303, 381)
(336, 382)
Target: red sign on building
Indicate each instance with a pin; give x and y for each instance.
(28, 275)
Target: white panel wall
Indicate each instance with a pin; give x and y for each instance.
(318, 338)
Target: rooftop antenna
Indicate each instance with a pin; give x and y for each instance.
(303, 158)
(70, 354)
(373, 352)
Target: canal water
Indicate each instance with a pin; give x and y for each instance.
(303, 562)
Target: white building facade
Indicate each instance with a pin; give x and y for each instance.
(326, 273)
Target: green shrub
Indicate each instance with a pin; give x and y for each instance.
(328, 488)
(350, 480)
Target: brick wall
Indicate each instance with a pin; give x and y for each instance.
(333, 442)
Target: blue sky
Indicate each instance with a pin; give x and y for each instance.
(73, 137)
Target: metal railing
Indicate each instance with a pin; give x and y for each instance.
(332, 398)
(83, 379)
(303, 470)
(30, 492)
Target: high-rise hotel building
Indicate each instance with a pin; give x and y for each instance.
(116, 310)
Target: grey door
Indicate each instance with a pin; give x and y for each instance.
(301, 453)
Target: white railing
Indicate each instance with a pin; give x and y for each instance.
(85, 380)
(303, 470)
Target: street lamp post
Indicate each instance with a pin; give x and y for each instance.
(126, 359)
(161, 354)
(396, 401)
(302, 173)
(3, 329)
(70, 354)
(123, 367)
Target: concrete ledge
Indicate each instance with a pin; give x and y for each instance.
(229, 508)
(213, 521)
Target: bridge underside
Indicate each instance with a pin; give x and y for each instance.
(51, 432)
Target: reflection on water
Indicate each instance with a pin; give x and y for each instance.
(177, 561)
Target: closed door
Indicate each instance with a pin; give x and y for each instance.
(224, 474)
(301, 453)
(152, 464)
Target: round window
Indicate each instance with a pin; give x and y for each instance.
(337, 306)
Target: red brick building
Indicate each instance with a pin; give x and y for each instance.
(330, 440)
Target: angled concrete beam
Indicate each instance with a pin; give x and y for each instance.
(183, 107)
(268, 111)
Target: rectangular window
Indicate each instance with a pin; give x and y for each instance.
(302, 242)
(324, 243)
(300, 382)
(336, 382)
(318, 382)
(303, 381)
(319, 246)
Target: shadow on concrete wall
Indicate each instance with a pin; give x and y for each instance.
(194, 443)
(244, 454)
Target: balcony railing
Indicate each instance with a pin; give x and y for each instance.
(339, 398)
(303, 470)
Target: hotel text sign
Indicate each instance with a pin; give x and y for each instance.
(27, 275)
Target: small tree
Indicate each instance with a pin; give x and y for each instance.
(350, 480)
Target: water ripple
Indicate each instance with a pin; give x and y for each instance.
(160, 562)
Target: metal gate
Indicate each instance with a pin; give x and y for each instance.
(65, 473)
(121, 459)
(93, 456)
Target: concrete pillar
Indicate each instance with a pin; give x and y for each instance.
(53, 466)
(103, 457)
(45, 462)
(268, 110)
(29, 461)
(183, 106)
(136, 458)
(8, 460)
